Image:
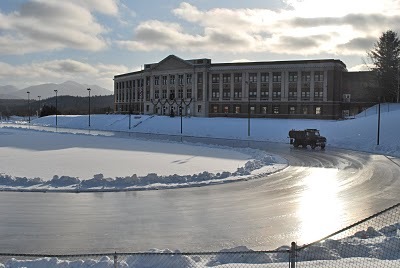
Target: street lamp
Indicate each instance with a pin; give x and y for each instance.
(248, 108)
(29, 108)
(130, 106)
(379, 120)
(39, 107)
(89, 105)
(55, 90)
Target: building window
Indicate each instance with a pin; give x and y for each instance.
(305, 95)
(156, 80)
(200, 94)
(226, 78)
(215, 108)
(215, 78)
(226, 94)
(188, 93)
(276, 94)
(318, 76)
(164, 80)
(147, 108)
(157, 94)
(305, 110)
(199, 78)
(215, 94)
(305, 77)
(188, 79)
(172, 79)
(293, 95)
(264, 109)
(180, 93)
(275, 109)
(253, 93)
(292, 110)
(237, 78)
(164, 94)
(293, 77)
(147, 81)
(237, 94)
(264, 94)
(276, 77)
(199, 108)
(318, 110)
(226, 109)
(253, 78)
(252, 109)
(180, 79)
(237, 109)
(264, 77)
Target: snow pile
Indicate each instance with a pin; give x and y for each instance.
(369, 248)
(253, 168)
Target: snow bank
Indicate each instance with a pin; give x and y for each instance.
(369, 248)
(262, 164)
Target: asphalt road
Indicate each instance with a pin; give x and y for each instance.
(318, 194)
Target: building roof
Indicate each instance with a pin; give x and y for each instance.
(238, 64)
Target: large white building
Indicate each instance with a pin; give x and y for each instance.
(300, 88)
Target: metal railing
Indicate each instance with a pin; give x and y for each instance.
(371, 242)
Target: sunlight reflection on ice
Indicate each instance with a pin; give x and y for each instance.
(320, 208)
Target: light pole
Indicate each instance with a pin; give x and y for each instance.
(248, 108)
(89, 105)
(29, 108)
(39, 107)
(55, 90)
(379, 120)
(130, 106)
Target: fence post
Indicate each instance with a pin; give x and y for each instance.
(115, 260)
(292, 256)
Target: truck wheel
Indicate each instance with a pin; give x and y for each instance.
(313, 146)
(295, 144)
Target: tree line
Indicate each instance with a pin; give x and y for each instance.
(67, 105)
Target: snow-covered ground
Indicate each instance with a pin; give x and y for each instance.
(380, 248)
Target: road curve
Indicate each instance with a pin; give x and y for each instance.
(318, 194)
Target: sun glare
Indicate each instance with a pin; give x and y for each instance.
(320, 208)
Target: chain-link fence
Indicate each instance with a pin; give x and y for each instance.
(372, 242)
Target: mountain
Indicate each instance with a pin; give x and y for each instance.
(6, 92)
(45, 91)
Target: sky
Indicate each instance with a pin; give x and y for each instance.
(373, 245)
(90, 41)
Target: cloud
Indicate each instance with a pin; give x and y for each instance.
(357, 45)
(339, 26)
(41, 25)
(59, 70)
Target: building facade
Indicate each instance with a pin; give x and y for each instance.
(280, 89)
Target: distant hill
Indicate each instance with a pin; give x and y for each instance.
(6, 92)
(69, 88)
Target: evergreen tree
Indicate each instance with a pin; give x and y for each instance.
(385, 57)
(48, 110)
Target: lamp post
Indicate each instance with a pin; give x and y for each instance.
(29, 108)
(130, 106)
(55, 90)
(39, 106)
(248, 108)
(89, 105)
(379, 120)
